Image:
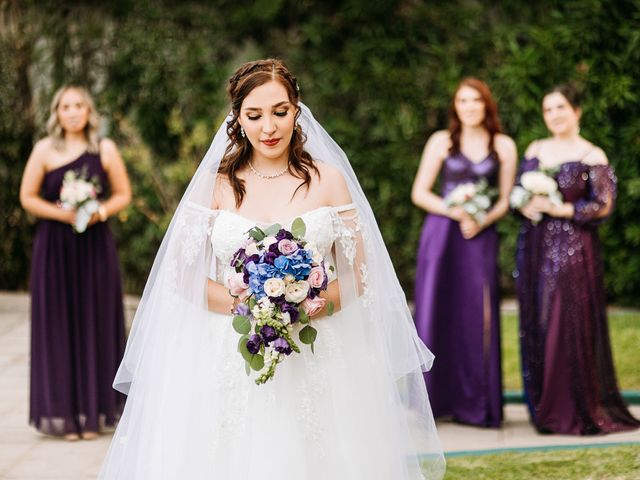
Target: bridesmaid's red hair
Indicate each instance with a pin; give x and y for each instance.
(491, 121)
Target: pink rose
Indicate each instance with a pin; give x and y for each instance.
(287, 247)
(237, 287)
(316, 277)
(312, 306)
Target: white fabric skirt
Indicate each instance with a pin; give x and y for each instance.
(193, 413)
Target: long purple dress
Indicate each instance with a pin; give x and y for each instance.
(77, 321)
(569, 379)
(457, 309)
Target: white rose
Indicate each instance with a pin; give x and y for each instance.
(461, 194)
(538, 183)
(483, 202)
(252, 249)
(519, 197)
(316, 256)
(288, 278)
(274, 287)
(296, 292)
(268, 241)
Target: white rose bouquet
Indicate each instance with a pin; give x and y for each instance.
(474, 198)
(535, 182)
(278, 279)
(80, 193)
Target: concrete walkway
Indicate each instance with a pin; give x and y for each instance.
(28, 455)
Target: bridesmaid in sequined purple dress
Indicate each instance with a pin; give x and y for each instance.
(456, 294)
(568, 373)
(77, 321)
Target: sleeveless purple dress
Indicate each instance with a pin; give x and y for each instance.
(77, 321)
(457, 310)
(568, 373)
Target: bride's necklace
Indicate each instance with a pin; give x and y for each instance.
(268, 177)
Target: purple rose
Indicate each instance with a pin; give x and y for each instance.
(268, 333)
(282, 346)
(286, 307)
(282, 234)
(270, 256)
(254, 343)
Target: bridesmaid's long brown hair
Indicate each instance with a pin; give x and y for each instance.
(491, 121)
(238, 153)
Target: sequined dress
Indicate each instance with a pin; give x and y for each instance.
(457, 307)
(568, 373)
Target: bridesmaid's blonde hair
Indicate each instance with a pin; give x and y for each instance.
(55, 130)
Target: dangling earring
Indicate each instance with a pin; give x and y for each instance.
(242, 134)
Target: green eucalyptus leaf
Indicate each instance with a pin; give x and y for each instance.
(242, 343)
(330, 309)
(273, 229)
(257, 234)
(298, 228)
(241, 324)
(257, 362)
(303, 317)
(308, 335)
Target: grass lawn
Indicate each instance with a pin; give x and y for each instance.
(607, 463)
(624, 329)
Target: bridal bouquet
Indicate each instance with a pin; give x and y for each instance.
(474, 198)
(535, 182)
(278, 279)
(80, 193)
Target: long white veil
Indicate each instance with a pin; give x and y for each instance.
(177, 285)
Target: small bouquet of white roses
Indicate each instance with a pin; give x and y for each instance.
(80, 193)
(474, 198)
(535, 182)
(278, 279)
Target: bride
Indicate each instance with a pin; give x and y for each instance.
(354, 409)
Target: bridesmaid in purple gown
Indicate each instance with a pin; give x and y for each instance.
(456, 294)
(568, 373)
(77, 321)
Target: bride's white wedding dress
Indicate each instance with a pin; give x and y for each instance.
(193, 413)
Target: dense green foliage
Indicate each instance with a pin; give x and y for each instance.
(379, 75)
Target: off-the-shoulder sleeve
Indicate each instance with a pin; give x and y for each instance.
(350, 254)
(598, 204)
(189, 255)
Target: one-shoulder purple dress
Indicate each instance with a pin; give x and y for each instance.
(77, 321)
(568, 374)
(457, 307)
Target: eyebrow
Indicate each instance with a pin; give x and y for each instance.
(255, 109)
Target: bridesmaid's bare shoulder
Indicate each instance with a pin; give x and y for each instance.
(506, 148)
(596, 156)
(533, 150)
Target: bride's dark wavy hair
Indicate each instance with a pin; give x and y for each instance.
(239, 151)
(491, 120)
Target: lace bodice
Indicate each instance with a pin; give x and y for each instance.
(323, 227)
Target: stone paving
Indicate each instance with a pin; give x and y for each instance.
(27, 455)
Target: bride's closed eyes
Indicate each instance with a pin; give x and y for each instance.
(280, 113)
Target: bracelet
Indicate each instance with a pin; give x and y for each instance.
(102, 213)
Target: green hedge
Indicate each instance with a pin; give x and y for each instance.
(378, 75)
